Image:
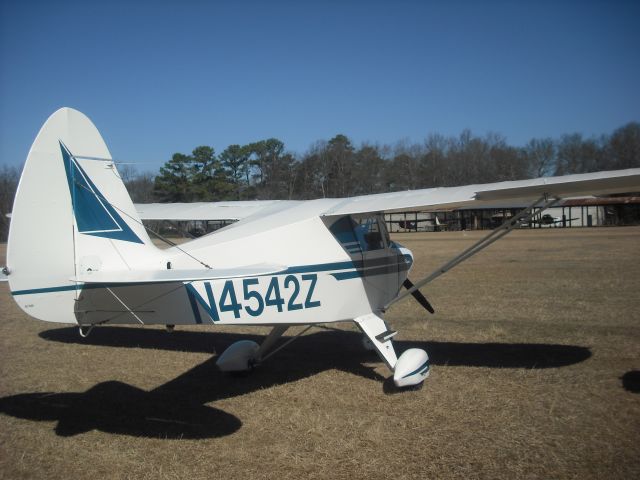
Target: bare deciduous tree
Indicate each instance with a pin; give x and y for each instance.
(9, 177)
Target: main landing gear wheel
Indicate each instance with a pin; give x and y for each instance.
(239, 357)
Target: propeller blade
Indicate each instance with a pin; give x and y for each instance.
(417, 294)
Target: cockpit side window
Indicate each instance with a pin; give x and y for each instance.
(383, 229)
(368, 234)
(360, 234)
(343, 230)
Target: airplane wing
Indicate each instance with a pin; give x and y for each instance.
(204, 210)
(618, 181)
(434, 199)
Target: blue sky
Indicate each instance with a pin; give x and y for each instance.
(159, 77)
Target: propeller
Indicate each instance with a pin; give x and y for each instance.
(417, 294)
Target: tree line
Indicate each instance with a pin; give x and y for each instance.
(337, 168)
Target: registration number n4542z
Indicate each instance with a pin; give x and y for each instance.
(255, 296)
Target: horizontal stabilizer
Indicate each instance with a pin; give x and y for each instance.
(158, 276)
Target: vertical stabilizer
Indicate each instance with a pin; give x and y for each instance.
(71, 213)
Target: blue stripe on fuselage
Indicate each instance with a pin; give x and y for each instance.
(355, 269)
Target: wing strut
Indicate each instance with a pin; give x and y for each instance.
(521, 217)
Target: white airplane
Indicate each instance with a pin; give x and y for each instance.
(78, 252)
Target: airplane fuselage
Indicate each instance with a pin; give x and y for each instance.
(364, 272)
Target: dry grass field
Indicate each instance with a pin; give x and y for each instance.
(529, 346)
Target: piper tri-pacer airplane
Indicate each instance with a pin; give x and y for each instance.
(79, 253)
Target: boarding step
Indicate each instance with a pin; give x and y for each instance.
(388, 335)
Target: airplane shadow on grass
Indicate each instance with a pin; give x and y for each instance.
(631, 381)
(178, 408)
